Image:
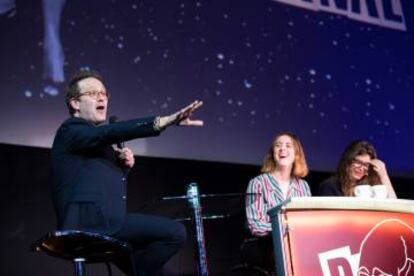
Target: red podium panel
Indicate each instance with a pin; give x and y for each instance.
(344, 237)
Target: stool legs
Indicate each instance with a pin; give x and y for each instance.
(79, 266)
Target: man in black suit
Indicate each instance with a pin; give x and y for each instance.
(89, 174)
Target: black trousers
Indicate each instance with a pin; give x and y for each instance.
(258, 251)
(154, 240)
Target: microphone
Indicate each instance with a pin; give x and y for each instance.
(114, 119)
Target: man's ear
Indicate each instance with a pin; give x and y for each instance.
(74, 104)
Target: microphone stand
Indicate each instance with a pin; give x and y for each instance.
(193, 197)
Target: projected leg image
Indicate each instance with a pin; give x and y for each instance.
(53, 56)
(7, 8)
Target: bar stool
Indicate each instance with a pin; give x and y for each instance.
(83, 247)
(257, 258)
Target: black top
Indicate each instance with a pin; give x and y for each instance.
(330, 187)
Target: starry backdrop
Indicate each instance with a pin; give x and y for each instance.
(260, 67)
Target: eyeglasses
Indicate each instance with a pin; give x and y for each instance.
(360, 164)
(94, 94)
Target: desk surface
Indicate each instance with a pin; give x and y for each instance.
(349, 203)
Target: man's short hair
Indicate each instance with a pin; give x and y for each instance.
(72, 90)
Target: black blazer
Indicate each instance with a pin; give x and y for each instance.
(89, 185)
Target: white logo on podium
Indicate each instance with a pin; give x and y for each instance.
(376, 245)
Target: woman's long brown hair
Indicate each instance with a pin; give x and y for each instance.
(354, 149)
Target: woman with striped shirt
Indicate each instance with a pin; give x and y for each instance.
(280, 178)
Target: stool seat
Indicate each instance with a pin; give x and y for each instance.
(83, 247)
(73, 244)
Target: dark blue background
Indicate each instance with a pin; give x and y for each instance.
(259, 66)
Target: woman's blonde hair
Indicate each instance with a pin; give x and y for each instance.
(300, 168)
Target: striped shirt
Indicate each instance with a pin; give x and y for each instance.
(264, 194)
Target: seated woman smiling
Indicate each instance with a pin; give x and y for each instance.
(359, 173)
(281, 178)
